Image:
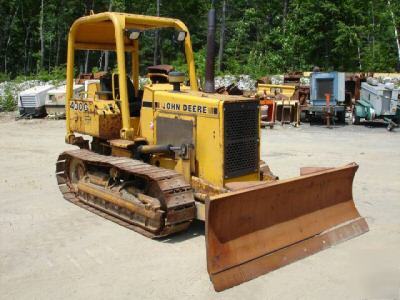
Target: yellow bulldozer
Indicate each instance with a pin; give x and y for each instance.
(154, 160)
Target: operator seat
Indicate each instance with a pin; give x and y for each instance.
(105, 86)
(135, 103)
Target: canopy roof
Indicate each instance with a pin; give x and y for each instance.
(98, 31)
(106, 31)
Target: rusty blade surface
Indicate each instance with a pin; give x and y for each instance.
(252, 224)
(267, 263)
(310, 170)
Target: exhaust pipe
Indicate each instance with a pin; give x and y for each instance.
(210, 84)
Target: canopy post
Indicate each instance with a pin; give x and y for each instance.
(135, 66)
(126, 130)
(70, 83)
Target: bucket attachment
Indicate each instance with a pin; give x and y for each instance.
(252, 231)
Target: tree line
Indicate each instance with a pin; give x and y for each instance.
(255, 37)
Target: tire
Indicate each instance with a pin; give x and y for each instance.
(355, 120)
(342, 117)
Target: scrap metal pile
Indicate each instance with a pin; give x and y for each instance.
(235, 85)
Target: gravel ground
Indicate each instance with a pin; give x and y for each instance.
(51, 249)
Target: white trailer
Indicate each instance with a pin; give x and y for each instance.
(378, 102)
(31, 102)
(55, 100)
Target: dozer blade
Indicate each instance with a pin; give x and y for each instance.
(253, 231)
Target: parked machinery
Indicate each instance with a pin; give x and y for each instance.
(280, 104)
(31, 102)
(378, 102)
(55, 100)
(160, 158)
(322, 85)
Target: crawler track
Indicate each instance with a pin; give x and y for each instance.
(164, 204)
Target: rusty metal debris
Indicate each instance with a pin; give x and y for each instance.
(231, 89)
(302, 93)
(88, 76)
(293, 78)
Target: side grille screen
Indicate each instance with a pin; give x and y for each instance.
(241, 125)
(28, 101)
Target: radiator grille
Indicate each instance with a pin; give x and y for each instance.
(241, 124)
(387, 96)
(28, 101)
